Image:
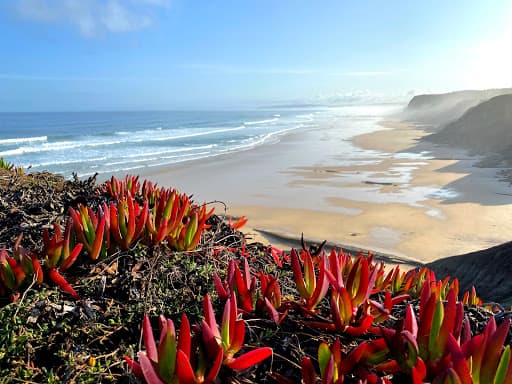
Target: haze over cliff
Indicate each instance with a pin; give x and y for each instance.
(440, 109)
(478, 121)
(483, 129)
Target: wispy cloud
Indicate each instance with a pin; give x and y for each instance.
(362, 73)
(362, 96)
(93, 17)
(237, 70)
(77, 78)
(234, 70)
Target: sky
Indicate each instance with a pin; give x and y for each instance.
(184, 54)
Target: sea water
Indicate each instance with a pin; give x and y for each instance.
(87, 143)
(108, 142)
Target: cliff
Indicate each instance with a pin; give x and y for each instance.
(484, 129)
(440, 109)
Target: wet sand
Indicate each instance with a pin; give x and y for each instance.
(380, 191)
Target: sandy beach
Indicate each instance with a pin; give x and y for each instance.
(380, 191)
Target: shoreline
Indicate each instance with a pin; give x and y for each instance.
(377, 201)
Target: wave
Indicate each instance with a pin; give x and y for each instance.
(179, 157)
(127, 147)
(145, 131)
(306, 116)
(257, 122)
(19, 140)
(174, 150)
(66, 145)
(40, 148)
(65, 162)
(138, 160)
(196, 134)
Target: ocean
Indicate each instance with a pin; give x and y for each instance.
(86, 143)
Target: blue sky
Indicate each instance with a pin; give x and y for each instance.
(177, 54)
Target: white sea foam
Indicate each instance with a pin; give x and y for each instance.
(174, 150)
(100, 142)
(262, 121)
(19, 140)
(307, 116)
(65, 162)
(140, 160)
(44, 147)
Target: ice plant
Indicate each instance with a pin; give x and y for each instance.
(420, 278)
(167, 215)
(59, 255)
(186, 237)
(422, 348)
(270, 297)
(490, 360)
(229, 338)
(400, 281)
(311, 290)
(127, 221)
(18, 270)
(333, 366)
(28, 261)
(57, 248)
(436, 322)
(122, 188)
(382, 311)
(347, 316)
(4, 164)
(239, 223)
(91, 229)
(350, 307)
(174, 360)
(359, 282)
(159, 364)
(11, 273)
(382, 280)
(239, 282)
(150, 192)
(471, 299)
(399, 351)
(186, 372)
(278, 255)
(62, 283)
(175, 219)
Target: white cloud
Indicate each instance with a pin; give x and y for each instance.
(93, 17)
(362, 96)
